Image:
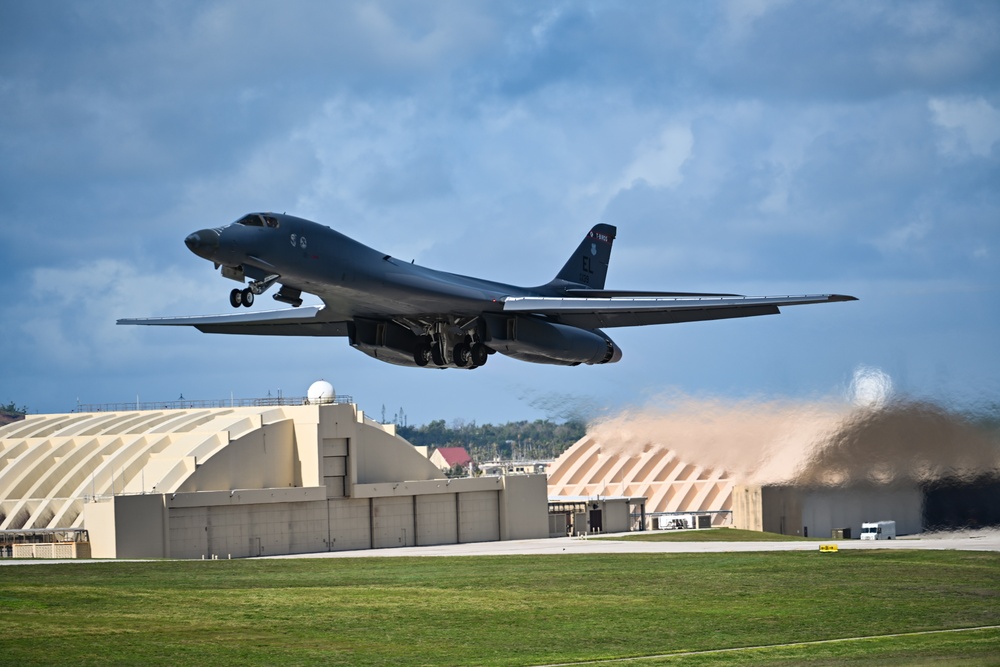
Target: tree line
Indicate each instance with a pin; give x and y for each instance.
(11, 408)
(522, 440)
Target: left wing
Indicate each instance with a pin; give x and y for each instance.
(302, 321)
(619, 309)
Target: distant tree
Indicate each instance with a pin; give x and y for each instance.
(11, 409)
(540, 439)
(457, 471)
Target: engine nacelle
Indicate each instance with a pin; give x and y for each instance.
(383, 340)
(534, 339)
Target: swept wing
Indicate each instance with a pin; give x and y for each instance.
(302, 321)
(622, 309)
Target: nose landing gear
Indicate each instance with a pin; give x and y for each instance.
(244, 297)
(241, 297)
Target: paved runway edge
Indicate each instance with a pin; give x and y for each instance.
(986, 540)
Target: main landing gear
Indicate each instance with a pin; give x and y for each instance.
(470, 355)
(465, 354)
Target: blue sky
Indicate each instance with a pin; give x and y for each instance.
(752, 147)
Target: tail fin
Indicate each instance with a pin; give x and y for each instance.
(588, 265)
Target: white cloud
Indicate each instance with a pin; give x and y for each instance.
(543, 26)
(906, 236)
(968, 125)
(658, 162)
(740, 15)
(69, 315)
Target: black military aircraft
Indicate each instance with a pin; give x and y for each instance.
(402, 313)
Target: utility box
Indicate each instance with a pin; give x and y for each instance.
(841, 534)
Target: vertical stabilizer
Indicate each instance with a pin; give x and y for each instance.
(588, 265)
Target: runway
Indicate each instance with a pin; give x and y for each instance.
(983, 540)
(980, 540)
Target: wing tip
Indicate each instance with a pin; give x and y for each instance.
(842, 297)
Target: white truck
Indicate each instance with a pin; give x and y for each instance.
(878, 530)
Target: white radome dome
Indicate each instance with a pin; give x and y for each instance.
(321, 391)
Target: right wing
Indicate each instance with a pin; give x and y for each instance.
(622, 309)
(302, 321)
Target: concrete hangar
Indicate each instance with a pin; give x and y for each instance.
(244, 481)
(784, 467)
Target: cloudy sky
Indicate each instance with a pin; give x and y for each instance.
(759, 147)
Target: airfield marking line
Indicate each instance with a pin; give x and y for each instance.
(685, 654)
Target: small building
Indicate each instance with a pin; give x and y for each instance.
(446, 458)
(519, 467)
(586, 515)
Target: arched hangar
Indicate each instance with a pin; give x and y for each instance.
(791, 467)
(247, 481)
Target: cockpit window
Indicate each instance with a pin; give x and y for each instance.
(257, 220)
(252, 220)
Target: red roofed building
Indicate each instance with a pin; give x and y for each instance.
(447, 458)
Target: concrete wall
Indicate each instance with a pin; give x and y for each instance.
(367, 488)
(100, 521)
(349, 524)
(794, 511)
(386, 458)
(128, 527)
(392, 522)
(263, 522)
(524, 513)
(263, 458)
(479, 516)
(437, 519)
(747, 508)
(616, 518)
(825, 510)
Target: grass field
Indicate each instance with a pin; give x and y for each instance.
(512, 610)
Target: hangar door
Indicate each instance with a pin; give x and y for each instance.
(479, 516)
(348, 524)
(392, 522)
(436, 519)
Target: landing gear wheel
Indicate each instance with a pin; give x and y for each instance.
(422, 355)
(462, 355)
(246, 297)
(437, 355)
(479, 354)
(235, 298)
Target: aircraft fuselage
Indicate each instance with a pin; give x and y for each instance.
(402, 313)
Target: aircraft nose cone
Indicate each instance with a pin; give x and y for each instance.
(203, 242)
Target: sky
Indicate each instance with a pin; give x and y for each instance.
(758, 147)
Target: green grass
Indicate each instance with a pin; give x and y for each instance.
(513, 610)
(709, 535)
